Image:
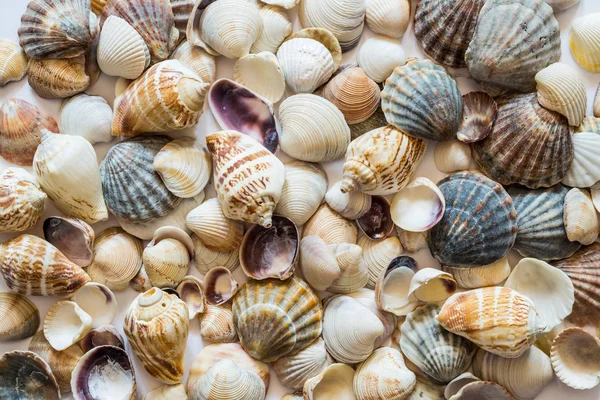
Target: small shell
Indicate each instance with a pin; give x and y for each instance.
(419, 206)
(167, 392)
(388, 17)
(379, 56)
(479, 276)
(560, 88)
(198, 60)
(392, 287)
(22, 200)
(452, 156)
(98, 6)
(58, 78)
(330, 226)
(73, 237)
(306, 64)
(65, 324)
(276, 28)
(261, 73)
(377, 255)
(182, 9)
(351, 205)
(585, 169)
(581, 220)
(326, 38)
(287, 4)
(216, 324)
(19, 317)
(24, 374)
(482, 389)
(584, 41)
(13, 66)
(377, 222)
(167, 256)
(98, 301)
(412, 241)
(293, 371)
(206, 259)
(589, 124)
(560, 5)
(455, 386)
(354, 274)
(226, 380)
(333, 383)
(219, 286)
(479, 114)
(105, 335)
(190, 291)
(213, 228)
(575, 354)
(430, 285)
(96, 127)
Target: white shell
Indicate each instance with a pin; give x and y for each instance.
(65, 324)
(581, 219)
(167, 392)
(276, 27)
(477, 277)
(331, 227)
(306, 64)
(262, 74)
(559, 5)
(206, 259)
(412, 241)
(13, 64)
(431, 285)
(121, 49)
(388, 17)
(98, 301)
(287, 4)
(95, 127)
(378, 56)
(458, 383)
(312, 128)
(198, 60)
(596, 198)
(354, 273)
(351, 205)
(560, 88)
(452, 156)
(214, 229)
(226, 380)
(596, 107)
(585, 41)
(585, 169)
(377, 255)
(392, 290)
(575, 354)
(216, 324)
(293, 371)
(419, 206)
(333, 383)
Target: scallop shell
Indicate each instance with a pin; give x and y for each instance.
(294, 370)
(560, 88)
(167, 392)
(423, 101)
(73, 237)
(213, 228)
(262, 74)
(419, 206)
(430, 285)
(198, 60)
(581, 220)
(377, 255)
(182, 9)
(585, 169)
(156, 325)
(98, 301)
(479, 276)
(21, 125)
(575, 354)
(379, 56)
(33, 267)
(452, 156)
(412, 241)
(306, 64)
(219, 286)
(276, 27)
(351, 205)
(388, 17)
(24, 374)
(190, 291)
(393, 285)
(225, 380)
(58, 78)
(14, 62)
(479, 113)
(22, 200)
(334, 382)
(331, 227)
(105, 335)
(290, 308)
(167, 256)
(508, 328)
(248, 178)
(326, 38)
(383, 376)
(65, 324)
(584, 41)
(481, 236)
(96, 127)
(216, 324)
(312, 129)
(20, 317)
(206, 259)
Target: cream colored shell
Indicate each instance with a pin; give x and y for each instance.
(276, 27)
(585, 41)
(377, 255)
(167, 392)
(213, 228)
(98, 301)
(216, 324)
(574, 355)
(58, 78)
(294, 370)
(166, 262)
(306, 64)
(452, 156)
(21, 199)
(585, 170)
(596, 107)
(331, 227)
(198, 60)
(19, 317)
(560, 88)
(333, 383)
(581, 219)
(412, 241)
(352, 205)
(388, 17)
(287, 4)
(262, 74)
(96, 127)
(13, 64)
(477, 277)
(65, 324)
(225, 380)
(206, 259)
(379, 55)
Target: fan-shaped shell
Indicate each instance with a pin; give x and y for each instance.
(326, 38)
(379, 56)
(452, 156)
(306, 64)
(213, 228)
(19, 317)
(560, 88)
(276, 28)
(206, 259)
(383, 376)
(225, 380)
(479, 113)
(585, 41)
(261, 73)
(575, 354)
(58, 78)
(330, 226)
(96, 127)
(585, 169)
(13, 66)
(198, 60)
(294, 370)
(21, 199)
(24, 374)
(216, 324)
(388, 17)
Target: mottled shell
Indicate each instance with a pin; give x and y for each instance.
(261, 73)
(575, 354)
(379, 56)
(24, 374)
(581, 220)
(206, 259)
(226, 380)
(351, 205)
(96, 127)
(65, 324)
(560, 88)
(452, 156)
(182, 9)
(58, 78)
(306, 64)
(479, 114)
(19, 317)
(589, 124)
(21, 200)
(13, 66)
(276, 28)
(377, 255)
(585, 169)
(330, 226)
(584, 41)
(216, 324)
(166, 261)
(388, 17)
(198, 60)
(293, 312)
(383, 376)
(294, 370)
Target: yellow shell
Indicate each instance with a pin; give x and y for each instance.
(13, 62)
(21, 200)
(19, 317)
(585, 41)
(58, 78)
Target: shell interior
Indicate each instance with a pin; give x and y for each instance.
(73, 237)
(377, 222)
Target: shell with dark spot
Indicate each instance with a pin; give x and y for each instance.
(479, 114)
(25, 375)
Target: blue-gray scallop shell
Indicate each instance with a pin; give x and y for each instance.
(479, 226)
(132, 189)
(422, 100)
(540, 217)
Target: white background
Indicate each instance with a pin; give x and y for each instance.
(10, 14)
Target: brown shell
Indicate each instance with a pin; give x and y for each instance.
(182, 9)
(58, 78)
(479, 114)
(216, 324)
(19, 317)
(72, 236)
(25, 375)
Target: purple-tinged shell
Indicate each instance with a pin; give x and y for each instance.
(190, 291)
(25, 375)
(73, 237)
(105, 335)
(219, 286)
(479, 114)
(377, 223)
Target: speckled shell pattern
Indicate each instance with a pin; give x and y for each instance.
(529, 145)
(502, 57)
(133, 190)
(21, 200)
(422, 100)
(479, 225)
(25, 375)
(540, 217)
(444, 28)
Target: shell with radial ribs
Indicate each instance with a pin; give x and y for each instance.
(585, 169)
(581, 220)
(198, 60)
(377, 255)
(206, 259)
(326, 38)
(585, 41)
(24, 374)
(58, 78)
(21, 200)
(388, 17)
(19, 317)
(96, 127)
(560, 88)
(294, 370)
(276, 28)
(182, 9)
(575, 354)
(383, 376)
(13, 66)
(306, 64)
(65, 324)
(331, 227)
(479, 114)
(167, 257)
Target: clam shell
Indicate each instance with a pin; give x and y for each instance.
(388, 17)
(21, 125)
(97, 126)
(65, 324)
(423, 101)
(24, 374)
(216, 324)
(455, 386)
(377, 255)
(479, 276)
(581, 220)
(312, 128)
(377, 222)
(354, 274)
(167, 257)
(190, 291)
(206, 259)
(585, 169)
(425, 389)
(452, 156)
(330, 226)
(392, 287)
(412, 241)
(575, 354)
(383, 376)
(262, 74)
(379, 56)
(167, 392)
(584, 41)
(351, 205)
(419, 206)
(334, 382)
(306, 64)
(58, 78)
(560, 88)
(22, 200)
(98, 301)
(14, 62)
(430, 285)
(213, 228)
(105, 335)
(294, 370)
(20, 317)
(482, 389)
(290, 308)
(73, 237)
(33, 267)
(326, 38)
(219, 286)
(198, 60)
(491, 221)
(287, 4)
(225, 380)
(479, 113)
(276, 28)
(366, 297)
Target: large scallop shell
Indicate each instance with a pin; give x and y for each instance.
(19, 317)
(276, 28)
(585, 169)
(96, 127)
(584, 41)
(294, 370)
(575, 358)
(560, 88)
(58, 78)
(21, 199)
(13, 66)
(306, 64)
(213, 228)
(261, 73)
(24, 374)
(330, 226)
(388, 17)
(379, 56)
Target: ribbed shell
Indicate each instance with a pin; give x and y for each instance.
(377, 255)
(198, 60)
(445, 28)
(422, 100)
(585, 169)
(306, 64)
(261, 73)
(25, 375)
(296, 369)
(560, 88)
(290, 308)
(580, 216)
(540, 218)
(225, 380)
(501, 57)
(276, 27)
(216, 324)
(331, 227)
(213, 228)
(206, 259)
(585, 41)
(388, 17)
(58, 78)
(19, 317)
(132, 189)
(351, 205)
(182, 9)
(379, 56)
(13, 64)
(96, 127)
(21, 200)
(529, 145)
(479, 114)
(166, 262)
(589, 124)
(488, 222)
(575, 353)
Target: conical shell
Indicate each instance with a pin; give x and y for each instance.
(480, 276)
(312, 129)
(19, 317)
(14, 62)
(213, 228)
(73, 237)
(423, 101)
(216, 324)
(167, 392)
(33, 267)
(219, 286)
(165, 98)
(24, 374)
(581, 220)
(501, 58)
(575, 354)
(182, 9)
(379, 56)
(334, 382)
(585, 169)
(225, 380)
(331, 227)
(508, 328)
(479, 113)
(276, 27)
(58, 78)
(206, 259)
(98, 301)
(198, 60)
(294, 370)
(21, 125)
(388, 17)
(483, 235)
(306, 64)
(96, 127)
(452, 156)
(351, 205)
(65, 324)
(261, 73)
(190, 291)
(290, 308)
(156, 325)
(21, 199)
(248, 177)
(105, 335)
(377, 255)
(66, 168)
(560, 88)
(585, 41)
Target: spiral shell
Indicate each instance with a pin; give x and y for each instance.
(58, 78)
(19, 317)
(21, 199)
(560, 88)
(14, 62)
(198, 60)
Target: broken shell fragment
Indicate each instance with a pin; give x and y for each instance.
(479, 114)
(19, 317)
(419, 206)
(452, 156)
(98, 301)
(261, 73)
(430, 285)
(560, 88)
(190, 291)
(392, 287)
(13, 66)
(581, 219)
(219, 286)
(105, 335)
(216, 324)
(22, 200)
(73, 237)
(65, 324)
(575, 358)
(24, 374)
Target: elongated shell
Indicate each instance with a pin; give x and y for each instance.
(575, 354)
(388, 17)
(13, 66)
(585, 169)
(225, 380)
(306, 64)
(423, 101)
(24, 374)
(331, 227)
(335, 381)
(383, 376)
(65, 324)
(261, 73)
(19, 317)
(58, 78)
(379, 56)
(198, 60)
(276, 28)
(216, 324)
(97, 126)
(206, 259)
(583, 42)
(213, 228)
(479, 276)
(294, 370)
(560, 88)
(34, 267)
(21, 199)
(581, 220)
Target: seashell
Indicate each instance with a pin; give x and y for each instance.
(219, 286)
(320, 267)
(167, 256)
(91, 56)
(290, 308)
(262, 74)
(584, 41)
(312, 128)
(351, 205)
(589, 124)
(354, 274)
(381, 161)
(167, 392)
(419, 206)
(58, 78)
(97, 126)
(31, 266)
(213, 228)
(239, 109)
(455, 386)
(492, 56)
(479, 113)
(21, 125)
(174, 94)
(491, 216)
(585, 169)
(366, 297)
(105, 335)
(24, 374)
(412, 241)
(561, 89)
(287, 4)
(98, 5)
(198, 60)
(596, 105)
(344, 19)
(482, 389)
(206, 259)
(355, 94)
(20, 317)
(383, 376)
(55, 29)
(581, 221)
(423, 101)
(377, 222)
(156, 325)
(524, 377)
(182, 9)
(440, 354)
(388, 17)
(452, 156)
(73, 237)
(393, 284)
(326, 38)
(98, 301)
(306, 64)
(294, 370)
(248, 178)
(14, 62)
(424, 389)
(575, 355)
(379, 56)
(430, 285)
(330, 226)
(480, 276)
(226, 380)
(216, 324)
(190, 291)
(560, 5)
(66, 168)
(276, 28)
(377, 255)
(22, 200)
(334, 382)
(462, 315)
(293, 396)
(540, 217)
(117, 258)
(65, 324)
(104, 373)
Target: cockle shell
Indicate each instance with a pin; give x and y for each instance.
(423, 101)
(167, 392)
(73, 237)
(97, 126)
(190, 291)
(167, 256)
(306, 64)
(508, 330)
(581, 220)
(412, 241)
(219, 286)
(379, 56)
(575, 358)
(419, 206)
(290, 308)
(479, 276)
(21, 200)
(33, 267)
(98, 301)
(13, 66)
(294, 370)
(24, 374)
(388, 17)
(351, 205)
(560, 88)
(65, 324)
(584, 41)
(105, 335)
(452, 156)
(21, 125)
(213, 228)
(276, 28)
(156, 325)
(261, 73)
(58, 78)
(19, 317)
(393, 285)
(226, 380)
(334, 382)
(585, 169)
(330, 226)
(206, 259)
(198, 60)
(248, 177)
(479, 114)
(216, 324)
(377, 255)
(326, 38)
